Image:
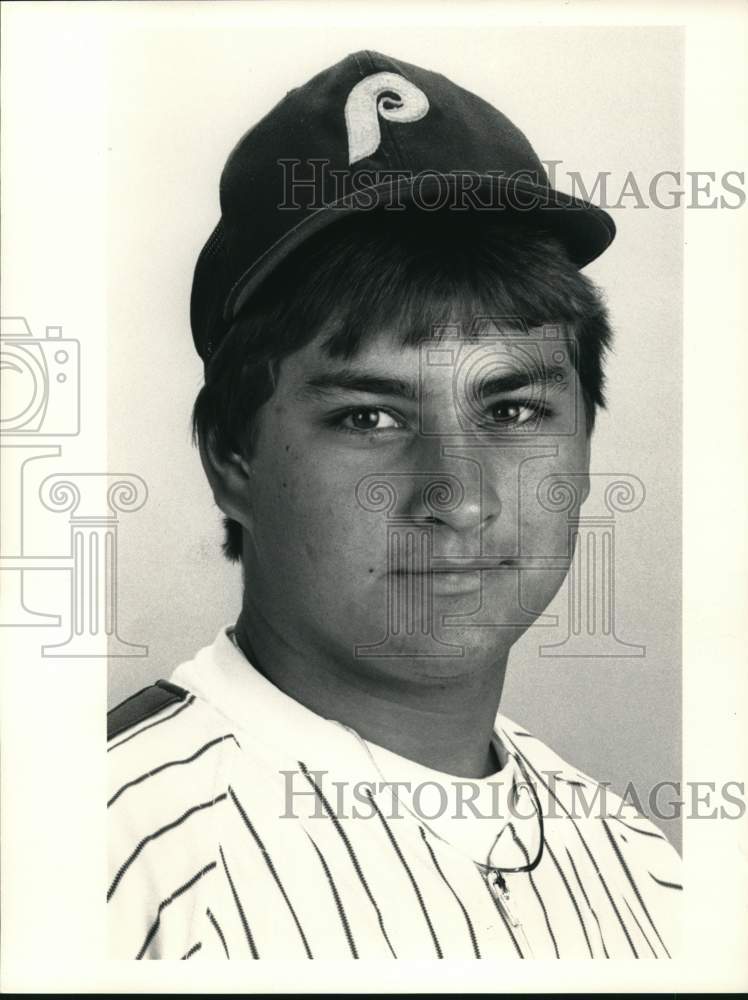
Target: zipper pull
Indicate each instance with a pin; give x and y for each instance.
(500, 891)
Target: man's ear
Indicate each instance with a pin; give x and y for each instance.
(230, 480)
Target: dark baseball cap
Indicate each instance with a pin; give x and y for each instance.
(370, 132)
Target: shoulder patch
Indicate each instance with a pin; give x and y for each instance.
(142, 705)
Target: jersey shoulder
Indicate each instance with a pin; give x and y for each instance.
(169, 759)
(167, 749)
(584, 798)
(142, 705)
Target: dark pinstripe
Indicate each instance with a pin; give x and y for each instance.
(587, 901)
(167, 902)
(351, 853)
(158, 833)
(170, 763)
(336, 897)
(240, 908)
(468, 921)
(409, 873)
(633, 884)
(217, 928)
(667, 885)
(643, 833)
(641, 929)
(271, 869)
(572, 897)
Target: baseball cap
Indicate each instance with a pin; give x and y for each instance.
(370, 132)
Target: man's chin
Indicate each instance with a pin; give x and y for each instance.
(437, 654)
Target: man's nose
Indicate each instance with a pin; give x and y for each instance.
(456, 489)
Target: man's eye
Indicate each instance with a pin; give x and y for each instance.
(368, 418)
(513, 413)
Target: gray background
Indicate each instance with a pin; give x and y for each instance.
(599, 99)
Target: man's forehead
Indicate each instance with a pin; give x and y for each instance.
(386, 350)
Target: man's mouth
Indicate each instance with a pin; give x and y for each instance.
(454, 575)
(461, 578)
(472, 564)
(467, 564)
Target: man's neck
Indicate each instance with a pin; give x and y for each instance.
(442, 723)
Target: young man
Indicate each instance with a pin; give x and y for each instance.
(402, 369)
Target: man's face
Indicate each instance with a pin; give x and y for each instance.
(404, 512)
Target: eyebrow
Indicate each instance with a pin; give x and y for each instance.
(379, 384)
(350, 380)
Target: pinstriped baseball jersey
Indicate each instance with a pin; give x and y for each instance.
(243, 825)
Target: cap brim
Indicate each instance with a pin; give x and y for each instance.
(584, 229)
